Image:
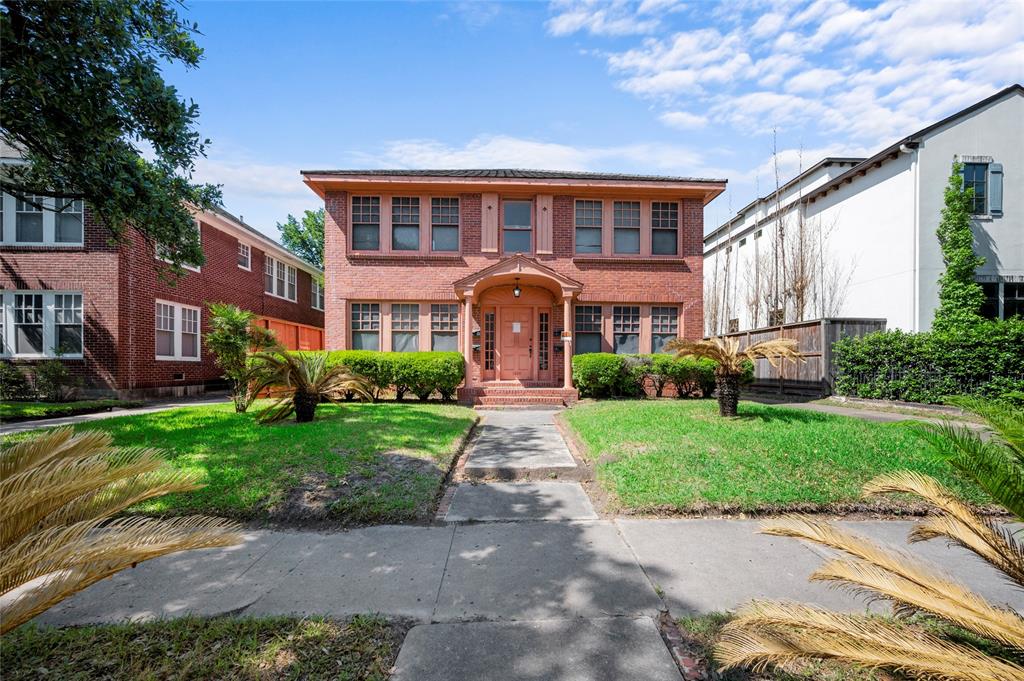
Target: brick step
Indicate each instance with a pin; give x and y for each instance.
(509, 400)
(544, 392)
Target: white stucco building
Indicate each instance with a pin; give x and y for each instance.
(874, 221)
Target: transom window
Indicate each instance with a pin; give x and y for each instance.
(976, 178)
(316, 295)
(444, 224)
(366, 223)
(41, 220)
(177, 332)
(626, 329)
(664, 228)
(36, 324)
(589, 222)
(365, 326)
(244, 256)
(517, 226)
(405, 223)
(627, 226)
(405, 327)
(279, 278)
(444, 327)
(664, 326)
(587, 329)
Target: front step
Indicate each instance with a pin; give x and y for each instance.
(517, 396)
(516, 400)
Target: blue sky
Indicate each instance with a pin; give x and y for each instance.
(655, 86)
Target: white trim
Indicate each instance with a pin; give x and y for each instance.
(248, 256)
(316, 294)
(192, 268)
(178, 331)
(10, 222)
(291, 276)
(48, 323)
(257, 239)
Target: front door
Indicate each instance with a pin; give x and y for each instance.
(515, 343)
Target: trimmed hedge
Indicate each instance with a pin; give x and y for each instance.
(602, 374)
(419, 373)
(986, 359)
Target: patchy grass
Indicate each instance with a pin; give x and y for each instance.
(24, 411)
(362, 649)
(356, 463)
(680, 456)
(704, 631)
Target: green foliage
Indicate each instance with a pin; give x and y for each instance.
(83, 94)
(421, 373)
(960, 296)
(232, 336)
(602, 374)
(598, 374)
(305, 239)
(301, 381)
(14, 384)
(982, 359)
(54, 382)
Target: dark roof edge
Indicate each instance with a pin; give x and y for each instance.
(222, 212)
(512, 174)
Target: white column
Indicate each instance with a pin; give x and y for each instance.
(567, 327)
(468, 336)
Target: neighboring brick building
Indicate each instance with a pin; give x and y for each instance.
(494, 262)
(117, 324)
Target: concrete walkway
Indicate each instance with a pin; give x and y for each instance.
(22, 426)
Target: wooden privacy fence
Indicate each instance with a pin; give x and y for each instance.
(814, 338)
(294, 336)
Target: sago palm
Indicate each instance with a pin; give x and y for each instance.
(731, 359)
(767, 632)
(301, 381)
(58, 494)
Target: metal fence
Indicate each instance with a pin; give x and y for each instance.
(814, 339)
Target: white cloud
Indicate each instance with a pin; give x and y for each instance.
(814, 80)
(683, 120)
(606, 18)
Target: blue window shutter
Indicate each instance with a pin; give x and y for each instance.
(995, 188)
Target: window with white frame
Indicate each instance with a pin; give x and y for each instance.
(41, 324)
(162, 254)
(244, 256)
(279, 278)
(177, 332)
(28, 220)
(316, 295)
(34, 220)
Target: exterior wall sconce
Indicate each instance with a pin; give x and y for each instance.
(516, 292)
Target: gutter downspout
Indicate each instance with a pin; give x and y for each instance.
(915, 303)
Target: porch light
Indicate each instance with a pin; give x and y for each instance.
(517, 291)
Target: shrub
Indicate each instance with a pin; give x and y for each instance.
(14, 385)
(54, 382)
(375, 367)
(421, 373)
(692, 376)
(601, 374)
(597, 374)
(983, 359)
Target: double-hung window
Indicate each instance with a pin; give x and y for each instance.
(588, 226)
(976, 178)
(279, 278)
(244, 256)
(664, 326)
(366, 223)
(626, 329)
(517, 227)
(444, 327)
(35, 324)
(177, 332)
(405, 223)
(444, 224)
(627, 227)
(365, 326)
(316, 294)
(588, 329)
(665, 228)
(34, 220)
(405, 327)
(68, 221)
(28, 220)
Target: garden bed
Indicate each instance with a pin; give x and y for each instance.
(669, 457)
(355, 464)
(11, 411)
(361, 649)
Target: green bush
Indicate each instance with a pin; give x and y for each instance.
(983, 359)
(692, 376)
(14, 384)
(375, 366)
(601, 374)
(54, 382)
(598, 374)
(421, 373)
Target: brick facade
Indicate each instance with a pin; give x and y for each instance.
(120, 285)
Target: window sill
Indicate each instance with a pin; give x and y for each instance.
(39, 245)
(178, 359)
(274, 295)
(375, 255)
(675, 259)
(40, 357)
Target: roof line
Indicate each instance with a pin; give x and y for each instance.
(223, 213)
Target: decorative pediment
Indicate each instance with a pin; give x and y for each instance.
(517, 266)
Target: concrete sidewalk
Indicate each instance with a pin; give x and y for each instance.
(22, 426)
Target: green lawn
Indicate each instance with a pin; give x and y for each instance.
(680, 456)
(357, 463)
(362, 649)
(21, 411)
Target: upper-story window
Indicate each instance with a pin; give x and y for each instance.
(28, 220)
(627, 227)
(588, 221)
(976, 178)
(244, 256)
(664, 228)
(517, 227)
(405, 223)
(162, 254)
(444, 224)
(365, 223)
(316, 296)
(279, 278)
(33, 220)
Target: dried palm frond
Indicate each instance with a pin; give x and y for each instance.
(772, 633)
(726, 352)
(58, 491)
(302, 381)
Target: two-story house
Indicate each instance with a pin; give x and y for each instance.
(516, 269)
(66, 291)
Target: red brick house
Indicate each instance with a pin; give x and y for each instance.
(515, 269)
(66, 290)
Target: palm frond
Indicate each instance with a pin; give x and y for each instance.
(726, 352)
(295, 376)
(772, 633)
